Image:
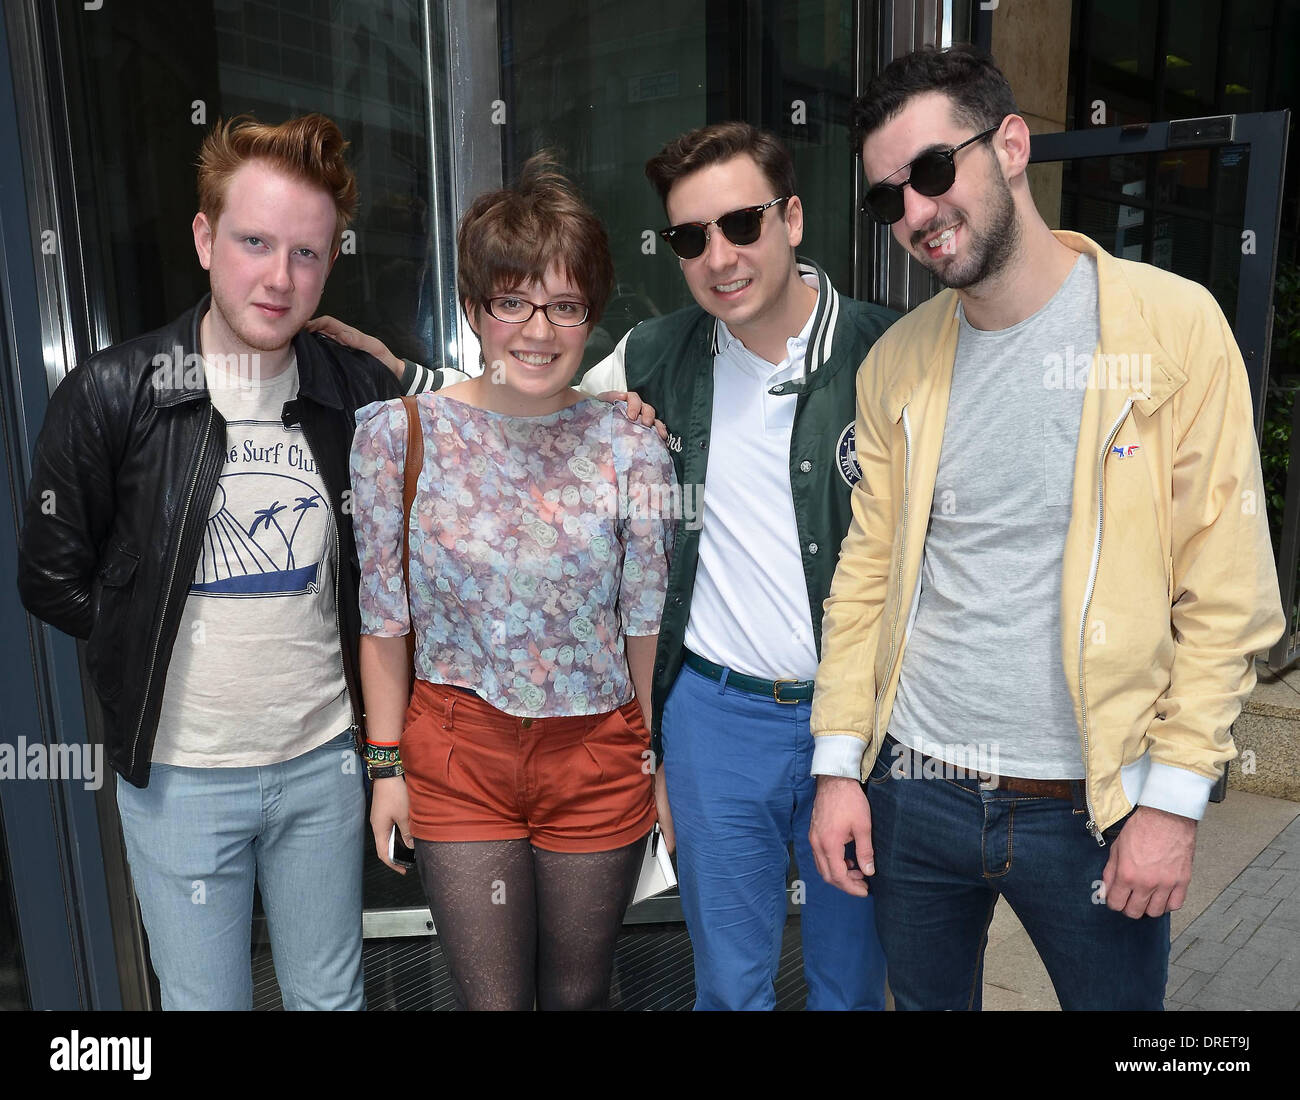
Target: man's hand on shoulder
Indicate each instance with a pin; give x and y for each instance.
(350, 337)
(841, 814)
(637, 410)
(1150, 863)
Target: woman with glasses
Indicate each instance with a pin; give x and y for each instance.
(537, 571)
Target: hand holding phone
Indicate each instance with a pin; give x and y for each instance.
(398, 852)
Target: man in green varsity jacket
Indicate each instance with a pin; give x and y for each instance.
(756, 386)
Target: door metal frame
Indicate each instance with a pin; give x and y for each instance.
(887, 274)
(53, 828)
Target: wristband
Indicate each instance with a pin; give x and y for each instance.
(384, 771)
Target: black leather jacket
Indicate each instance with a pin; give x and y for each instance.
(125, 468)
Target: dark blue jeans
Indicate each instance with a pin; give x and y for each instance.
(946, 850)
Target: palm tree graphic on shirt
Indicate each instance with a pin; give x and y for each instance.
(236, 559)
(304, 505)
(267, 516)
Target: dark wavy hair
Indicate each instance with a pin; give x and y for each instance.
(979, 93)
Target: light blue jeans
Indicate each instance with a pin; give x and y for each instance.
(198, 837)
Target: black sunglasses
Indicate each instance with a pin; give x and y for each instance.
(933, 172)
(741, 226)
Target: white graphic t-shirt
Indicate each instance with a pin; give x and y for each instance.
(256, 674)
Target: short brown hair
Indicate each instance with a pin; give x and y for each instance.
(713, 144)
(514, 235)
(309, 148)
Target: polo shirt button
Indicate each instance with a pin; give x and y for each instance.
(812, 548)
(704, 444)
(805, 466)
(677, 600)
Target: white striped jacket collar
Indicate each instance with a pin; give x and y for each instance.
(823, 327)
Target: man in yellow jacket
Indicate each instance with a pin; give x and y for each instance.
(1045, 612)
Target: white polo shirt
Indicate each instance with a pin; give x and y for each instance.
(749, 607)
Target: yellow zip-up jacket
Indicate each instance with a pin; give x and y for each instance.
(1168, 581)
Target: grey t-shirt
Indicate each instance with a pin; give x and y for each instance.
(982, 665)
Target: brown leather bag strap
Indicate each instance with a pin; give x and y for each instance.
(410, 476)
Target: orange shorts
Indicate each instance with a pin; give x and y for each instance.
(575, 784)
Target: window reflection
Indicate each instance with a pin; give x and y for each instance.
(608, 83)
(146, 79)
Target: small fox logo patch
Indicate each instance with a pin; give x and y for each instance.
(1126, 451)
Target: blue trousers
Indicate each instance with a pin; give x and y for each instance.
(196, 839)
(737, 768)
(946, 850)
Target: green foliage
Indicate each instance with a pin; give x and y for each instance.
(1286, 319)
(1275, 452)
(1279, 406)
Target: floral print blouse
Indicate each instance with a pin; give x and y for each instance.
(537, 543)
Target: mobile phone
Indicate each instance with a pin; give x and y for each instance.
(398, 852)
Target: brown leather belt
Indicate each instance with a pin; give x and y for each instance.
(1044, 788)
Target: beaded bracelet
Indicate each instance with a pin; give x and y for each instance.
(382, 754)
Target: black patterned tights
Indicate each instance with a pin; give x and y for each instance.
(521, 927)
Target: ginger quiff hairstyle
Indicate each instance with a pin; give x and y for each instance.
(513, 236)
(308, 148)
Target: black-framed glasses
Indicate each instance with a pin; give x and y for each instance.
(932, 173)
(740, 227)
(514, 310)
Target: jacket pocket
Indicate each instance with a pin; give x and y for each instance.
(114, 584)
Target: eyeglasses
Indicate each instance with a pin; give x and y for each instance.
(740, 227)
(515, 311)
(933, 173)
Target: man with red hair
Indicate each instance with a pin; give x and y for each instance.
(189, 515)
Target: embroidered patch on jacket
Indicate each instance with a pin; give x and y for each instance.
(1126, 451)
(847, 454)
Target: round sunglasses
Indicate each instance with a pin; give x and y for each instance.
(741, 226)
(932, 173)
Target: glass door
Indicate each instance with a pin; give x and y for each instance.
(607, 83)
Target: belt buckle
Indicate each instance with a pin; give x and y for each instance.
(776, 690)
